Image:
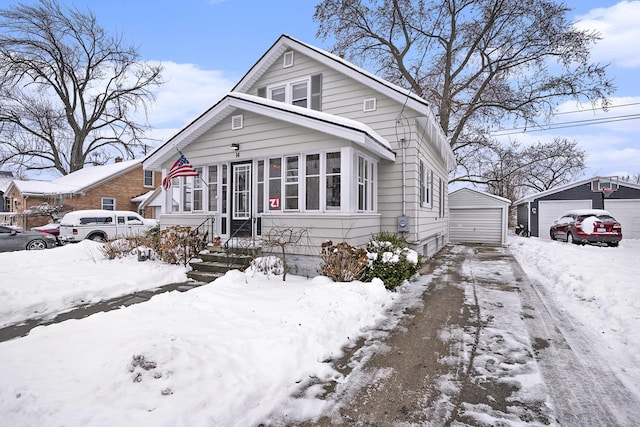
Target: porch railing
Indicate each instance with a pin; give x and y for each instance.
(233, 243)
(206, 229)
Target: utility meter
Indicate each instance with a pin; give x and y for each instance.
(403, 224)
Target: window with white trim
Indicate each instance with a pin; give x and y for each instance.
(108, 203)
(312, 182)
(426, 186)
(441, 197)
(213, 188)
(291, 188)
(275, 184)
(332, 179)
(260, 186)
(303, 93)
(148, 178)
(197, 190)
(365, 184)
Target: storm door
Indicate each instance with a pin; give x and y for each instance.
(241, 200)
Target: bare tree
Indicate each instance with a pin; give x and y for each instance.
(478, 62)
(282, 237)
(68, 90)
(512, 170)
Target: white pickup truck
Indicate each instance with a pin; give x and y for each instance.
(102, 225)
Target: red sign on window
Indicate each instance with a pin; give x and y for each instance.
(274, 203)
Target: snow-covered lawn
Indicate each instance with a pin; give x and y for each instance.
(40, 284)
(231, 352)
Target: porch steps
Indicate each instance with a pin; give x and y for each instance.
(217, 262)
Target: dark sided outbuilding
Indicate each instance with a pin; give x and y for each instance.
(536, 212)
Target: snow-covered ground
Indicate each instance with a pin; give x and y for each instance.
(597, 286)
(232, 352)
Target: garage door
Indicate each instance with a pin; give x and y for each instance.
(476, 225)
(549, 211)
(627, 212)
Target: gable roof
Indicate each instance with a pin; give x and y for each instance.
(481, 193)
(286, 42)
(534, 196)
(76, 182)
(328, 123)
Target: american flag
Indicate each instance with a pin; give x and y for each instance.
(181, 167)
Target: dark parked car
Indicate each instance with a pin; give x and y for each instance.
(587, 226)
(52, 228)
(17, 240)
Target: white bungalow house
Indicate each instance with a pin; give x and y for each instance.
(308, 140)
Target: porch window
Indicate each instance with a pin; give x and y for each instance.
(213, 188)
(225, 188)
(187, 191)
(260, 186)
(197, 190)
(275, 184)
(332, 174)
(365, 184)
(291, 183)
(312, 182)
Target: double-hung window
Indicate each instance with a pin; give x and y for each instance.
(291, 183)
(426, 186)
(305, 93)
(148, 178)
(197, 190)
(332, 176)
(213, 188)
(365, 184)
(312, 182)
(275, 183)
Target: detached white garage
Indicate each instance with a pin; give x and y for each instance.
(477, 217)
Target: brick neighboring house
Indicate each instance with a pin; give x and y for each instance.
(113, 186)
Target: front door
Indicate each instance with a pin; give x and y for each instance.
(241, 200)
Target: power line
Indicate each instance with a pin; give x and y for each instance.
(568, 124)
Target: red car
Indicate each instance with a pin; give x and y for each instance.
(587, 226)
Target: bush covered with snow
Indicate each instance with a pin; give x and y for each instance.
(390, 260)
(385, 258)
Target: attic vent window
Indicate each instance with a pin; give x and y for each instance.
(369, 105)
(288, 59)
(237, 122)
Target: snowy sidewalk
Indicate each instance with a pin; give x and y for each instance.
(22, 329)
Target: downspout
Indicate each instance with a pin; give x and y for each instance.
(404, 176)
